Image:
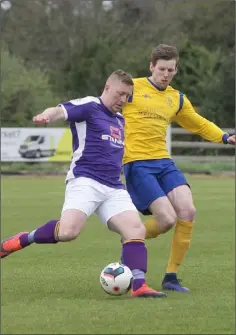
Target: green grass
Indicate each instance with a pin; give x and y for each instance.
(213, 166)
(54, 289)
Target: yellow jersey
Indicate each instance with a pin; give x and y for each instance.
(148, 114)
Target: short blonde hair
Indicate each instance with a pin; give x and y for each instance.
(123, 76)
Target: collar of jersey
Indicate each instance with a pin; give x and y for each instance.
(105, 108)
(158, 88)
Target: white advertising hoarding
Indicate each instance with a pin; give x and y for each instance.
(35, 144)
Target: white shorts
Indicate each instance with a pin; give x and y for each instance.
(90, 197)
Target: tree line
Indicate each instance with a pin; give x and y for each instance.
(54, 50)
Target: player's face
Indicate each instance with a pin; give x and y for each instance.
(163, 72)
(118, 95)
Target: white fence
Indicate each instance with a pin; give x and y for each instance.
(200, 145)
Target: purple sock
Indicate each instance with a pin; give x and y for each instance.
(134, 255)
(24, 240)
(46, 233)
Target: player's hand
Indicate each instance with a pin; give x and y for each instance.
(231, 139)
(40, 119)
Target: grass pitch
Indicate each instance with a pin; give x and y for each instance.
(54, 289)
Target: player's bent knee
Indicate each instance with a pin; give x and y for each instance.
(141, 231)
(136, 232)
(128, 224)
(168, 222)
(71, 223)
(164, 213)
(67, 234)
(68, 231)
(187, 214)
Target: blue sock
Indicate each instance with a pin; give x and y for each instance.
(169, 276)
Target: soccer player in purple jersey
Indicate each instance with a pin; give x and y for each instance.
(93, 183)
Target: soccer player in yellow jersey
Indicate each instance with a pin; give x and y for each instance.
(155, 184)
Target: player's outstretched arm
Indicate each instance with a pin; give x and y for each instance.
(50, 115)
(195, 123)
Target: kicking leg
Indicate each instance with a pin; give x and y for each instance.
(65, 229)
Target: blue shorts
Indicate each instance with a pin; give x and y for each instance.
(148, 180)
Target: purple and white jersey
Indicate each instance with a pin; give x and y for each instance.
(97, 140)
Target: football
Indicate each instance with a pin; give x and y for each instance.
(116, 279)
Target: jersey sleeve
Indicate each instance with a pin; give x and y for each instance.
(77, 110)
(189, 119)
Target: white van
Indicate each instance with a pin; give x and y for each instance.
(37, 146)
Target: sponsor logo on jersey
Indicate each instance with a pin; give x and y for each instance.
(115, 137)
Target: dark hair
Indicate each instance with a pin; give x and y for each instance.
(123, 76)
(166, 52)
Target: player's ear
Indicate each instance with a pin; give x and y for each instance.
(151, 67)
(106, 88)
